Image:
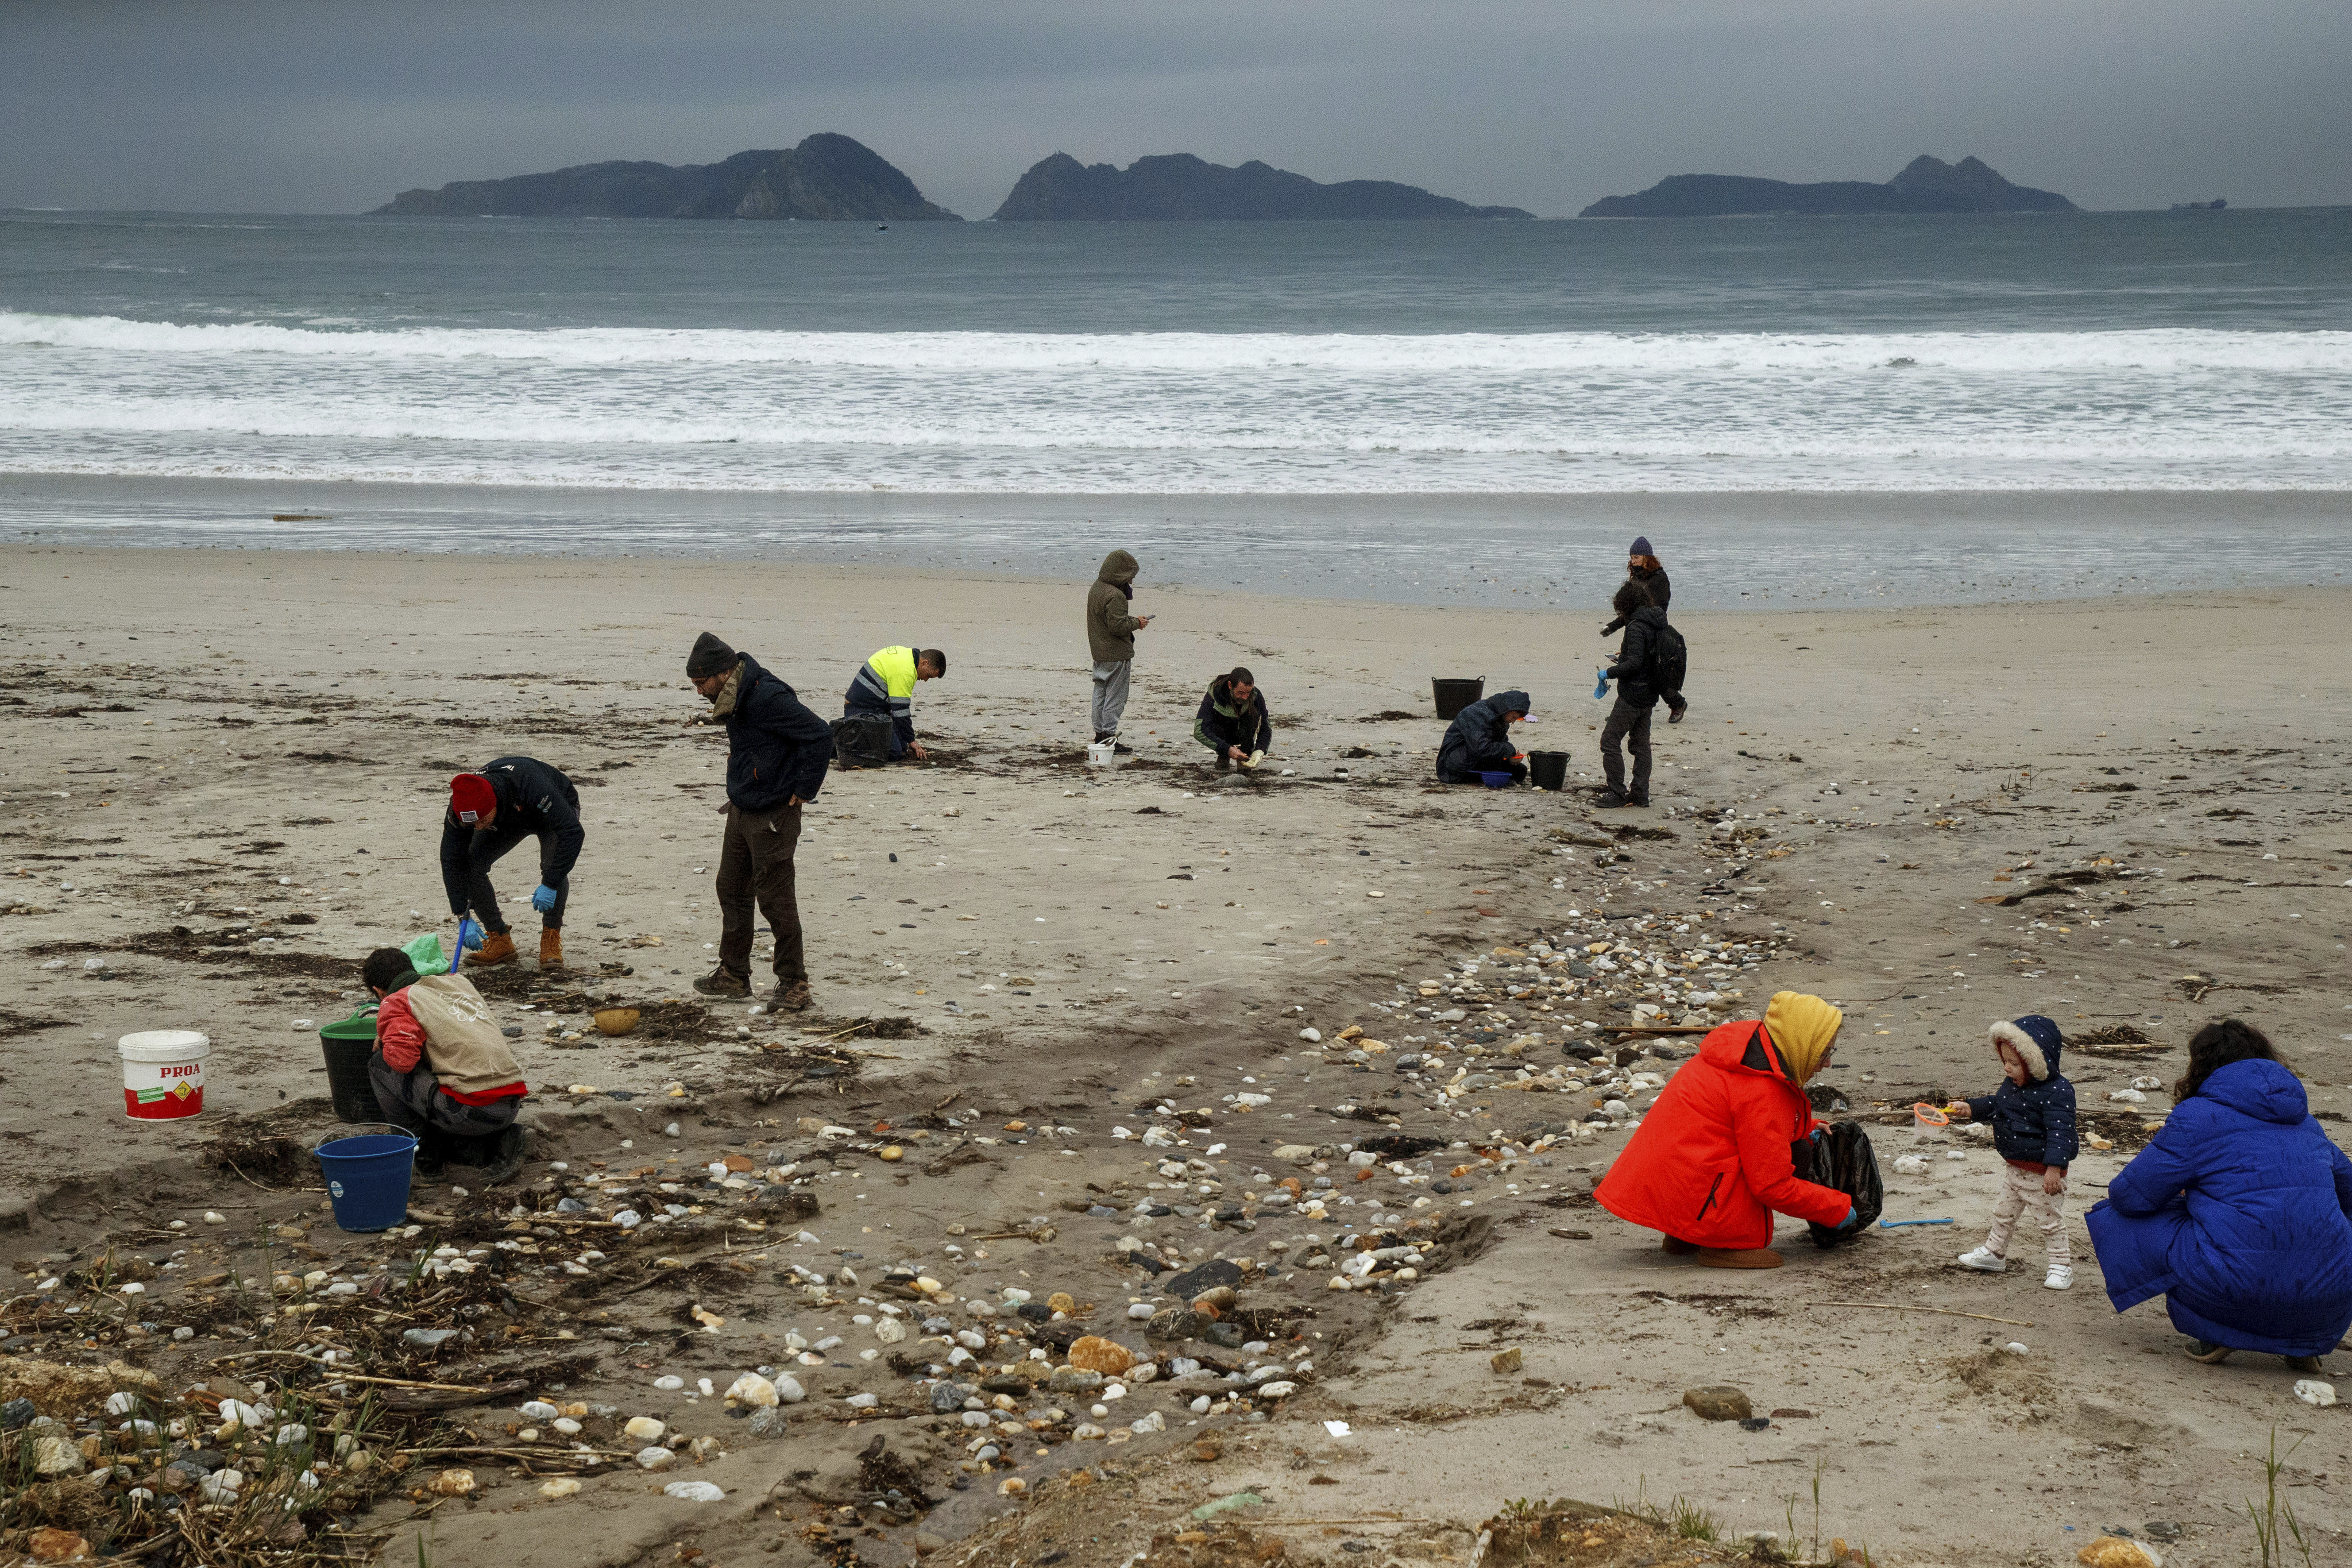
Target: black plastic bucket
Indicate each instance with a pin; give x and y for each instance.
(1547, 770)
(1452, 696)
(348, 1042)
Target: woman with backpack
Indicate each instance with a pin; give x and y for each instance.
(1648, 666)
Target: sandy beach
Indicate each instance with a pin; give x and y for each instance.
(224, 784)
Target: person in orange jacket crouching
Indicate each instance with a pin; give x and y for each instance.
(1712, 1162)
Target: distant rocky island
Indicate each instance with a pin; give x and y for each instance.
(827, 177)
(1178, 186)
(1925, 185)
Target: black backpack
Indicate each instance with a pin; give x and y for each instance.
(1669, 661)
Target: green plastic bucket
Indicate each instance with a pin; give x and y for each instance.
(349, 1043)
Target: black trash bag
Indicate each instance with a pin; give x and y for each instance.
(1840, 1156)
(862, 741)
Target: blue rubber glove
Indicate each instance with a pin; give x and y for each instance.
(469, 934)
(1601, 687)
(544, 899)
(1852, 1222)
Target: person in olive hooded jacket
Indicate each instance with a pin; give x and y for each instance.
(1110, 638)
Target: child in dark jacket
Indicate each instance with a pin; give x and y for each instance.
(2033, 1119)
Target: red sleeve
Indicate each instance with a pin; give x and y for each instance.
(1763, 1131)
(398, 1035)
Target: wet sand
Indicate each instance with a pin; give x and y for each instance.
(236, 762)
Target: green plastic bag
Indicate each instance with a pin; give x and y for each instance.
(424, 955)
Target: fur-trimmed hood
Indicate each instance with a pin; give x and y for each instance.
(2037, 1042)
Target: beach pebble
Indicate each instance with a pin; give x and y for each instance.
(221, 1486)
(766, 1422)
(562, 1488)
(789, 1390)
(669, 1384)
(451, 1483)
(694, 1491)
(656, 1459)
(643, 1429)
(2313, 1392)
(753, 1389)
(538, 1410)
(2016, 1347)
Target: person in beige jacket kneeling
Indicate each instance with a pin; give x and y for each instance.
(442, 1068)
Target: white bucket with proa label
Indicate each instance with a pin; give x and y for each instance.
(1102, 754)
(163, 1073)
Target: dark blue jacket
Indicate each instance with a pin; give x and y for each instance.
(535, 800)
(776, 748)
(1479, 739)
(2034, 1120)
(2236, 1214)
(1631, 671)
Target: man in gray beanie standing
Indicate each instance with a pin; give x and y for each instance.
(777, 751)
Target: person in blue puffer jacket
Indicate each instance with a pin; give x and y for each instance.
(2236, 1213)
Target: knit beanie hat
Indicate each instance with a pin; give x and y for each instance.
(710, 656)
(1639, 547)
(471, 798)
(2036, 1041)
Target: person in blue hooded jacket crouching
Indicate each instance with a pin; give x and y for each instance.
(2236, 1214)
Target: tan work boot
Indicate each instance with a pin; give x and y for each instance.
(1737, 1257)
(793, 998)
(497, 948)
(551, 950)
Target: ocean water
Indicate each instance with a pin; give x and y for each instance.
(552, 384)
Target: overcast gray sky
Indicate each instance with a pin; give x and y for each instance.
(333, 106)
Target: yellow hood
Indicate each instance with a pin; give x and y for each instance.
(1804, 1028)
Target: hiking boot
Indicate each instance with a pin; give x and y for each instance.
(2059, 1277)
(1675, 716)
(551, 950)
(1984, 1260)
(2207, 1351)
(793, 998)
(1677, 1246)
(724, 982)
(1224, 764)
(1610, 799)
(1118, 750)
(497, 948)
(505, 1157)
(2304, 1364)
(1739, 1257)
(1641, 801)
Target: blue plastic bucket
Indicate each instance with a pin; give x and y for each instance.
(1498, 780)
(367, 1178)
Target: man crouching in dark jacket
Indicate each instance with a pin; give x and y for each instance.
(1479, 741)
(1232, 720)
(777, 751)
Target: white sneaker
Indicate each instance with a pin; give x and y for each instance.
(2059, 1277)
(1985, 1260)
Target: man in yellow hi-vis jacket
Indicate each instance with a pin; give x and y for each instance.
(886, 686)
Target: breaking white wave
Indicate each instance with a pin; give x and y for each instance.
(1181, 412)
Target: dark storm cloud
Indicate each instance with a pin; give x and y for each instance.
(264, 105)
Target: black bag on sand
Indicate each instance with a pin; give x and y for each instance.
(1842, 1159)
(862, 741)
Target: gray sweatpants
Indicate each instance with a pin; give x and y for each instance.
(412, 1101)
(1110, 694)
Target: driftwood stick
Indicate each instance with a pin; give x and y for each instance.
(1939, 1311)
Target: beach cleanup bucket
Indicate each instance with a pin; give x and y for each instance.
(1547, 770)
(1498, 780)
(348, 1043)
(1102, 754)
(367, 1178)
(163, 1073)
(1452, 696)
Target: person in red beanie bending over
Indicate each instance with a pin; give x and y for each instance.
(491, 812)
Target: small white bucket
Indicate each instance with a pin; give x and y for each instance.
(1102, 754)
(163, 1073)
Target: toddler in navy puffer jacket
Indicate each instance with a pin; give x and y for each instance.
(2032, 1120)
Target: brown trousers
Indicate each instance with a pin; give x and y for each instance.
(755, 865)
